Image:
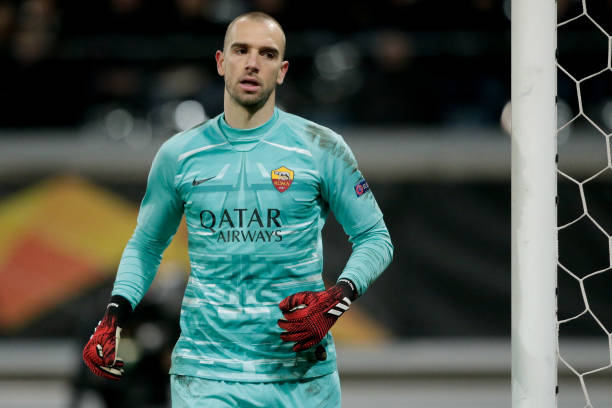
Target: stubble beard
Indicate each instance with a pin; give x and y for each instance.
(251, 102)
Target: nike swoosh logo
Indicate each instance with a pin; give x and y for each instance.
(197, 182)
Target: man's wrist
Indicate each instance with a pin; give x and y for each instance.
(348, 288)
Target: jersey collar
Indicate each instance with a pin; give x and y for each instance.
(237, 136)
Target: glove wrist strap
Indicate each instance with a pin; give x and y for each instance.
(119, 307)
(348, 288)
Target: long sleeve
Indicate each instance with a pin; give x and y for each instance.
(158, 219)
(372, 253)
(354, 206)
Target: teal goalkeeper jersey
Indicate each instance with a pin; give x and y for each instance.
(255, 202)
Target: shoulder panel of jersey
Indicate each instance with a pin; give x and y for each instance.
(318, 139)
(197, 139)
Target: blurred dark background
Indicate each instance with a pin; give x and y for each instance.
(355, 63)
(417, 88)
(386, 63)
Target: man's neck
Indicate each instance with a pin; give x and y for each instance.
(239, 117)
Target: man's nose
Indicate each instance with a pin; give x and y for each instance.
(253, 61)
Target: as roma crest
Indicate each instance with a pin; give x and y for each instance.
(282, 178)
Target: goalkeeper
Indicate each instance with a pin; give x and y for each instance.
(255, 185)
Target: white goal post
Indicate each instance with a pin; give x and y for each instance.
(534, 213)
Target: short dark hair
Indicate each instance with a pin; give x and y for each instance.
(256, 15)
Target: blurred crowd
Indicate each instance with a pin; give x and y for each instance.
(68, 63)
(132, 64)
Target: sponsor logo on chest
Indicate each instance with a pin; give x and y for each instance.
(243, 225)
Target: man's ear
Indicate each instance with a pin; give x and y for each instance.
(220, 58)
(282, 72)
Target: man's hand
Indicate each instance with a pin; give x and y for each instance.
(308, 316)
(101, 351)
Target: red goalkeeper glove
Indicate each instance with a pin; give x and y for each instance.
(100, 352)
(308, 316)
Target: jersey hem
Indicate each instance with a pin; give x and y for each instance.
(318, 370)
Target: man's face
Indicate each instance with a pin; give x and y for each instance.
(251, 62)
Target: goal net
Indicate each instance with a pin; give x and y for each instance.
(584, 228)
